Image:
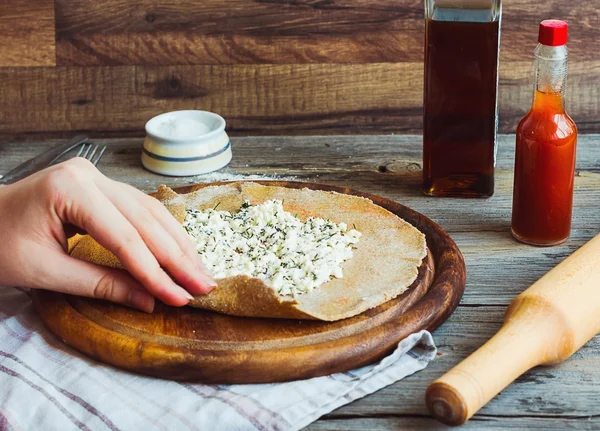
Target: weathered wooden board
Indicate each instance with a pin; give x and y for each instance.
(27, 33)
(270, 67)
(257, 99)
(565, 396)
(153, 32)
(237, 32)
(252, 98)
(409, 422)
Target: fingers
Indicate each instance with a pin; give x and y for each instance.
(168, 222)
(91, 210)
(143, 235)
(161, 213)
(163, 245)
(66, 274)
(177, 232)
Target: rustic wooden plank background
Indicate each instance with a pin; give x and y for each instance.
(27, 33)
(268, 66)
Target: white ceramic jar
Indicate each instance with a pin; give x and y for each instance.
(182, 143)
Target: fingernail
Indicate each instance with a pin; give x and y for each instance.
(141, 300)
(206, 278)
(209, 281)
(200, 264)
(187, 295)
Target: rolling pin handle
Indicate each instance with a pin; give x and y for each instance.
(460, 393)
(446, 404)
(545, 324)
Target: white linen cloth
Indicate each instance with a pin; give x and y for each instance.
(46, 385)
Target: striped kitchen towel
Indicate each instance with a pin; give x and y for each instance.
(45, 385)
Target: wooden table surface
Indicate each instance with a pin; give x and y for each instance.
(498, 268)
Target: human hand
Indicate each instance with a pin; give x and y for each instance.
(137, 228)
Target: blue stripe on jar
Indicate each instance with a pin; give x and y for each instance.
(186, 159)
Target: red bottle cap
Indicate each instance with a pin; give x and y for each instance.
(553, 32)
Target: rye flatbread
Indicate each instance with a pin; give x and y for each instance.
(384, 265)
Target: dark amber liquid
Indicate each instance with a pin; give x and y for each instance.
(459, 129)
(544, 173)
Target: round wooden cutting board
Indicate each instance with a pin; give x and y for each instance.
(192, 344)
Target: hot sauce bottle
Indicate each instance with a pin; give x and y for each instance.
(545, 148)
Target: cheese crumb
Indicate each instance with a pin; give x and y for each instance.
(264, 241)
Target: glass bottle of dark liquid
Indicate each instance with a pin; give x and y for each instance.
(460, 99)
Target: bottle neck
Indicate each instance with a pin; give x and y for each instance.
(550, 70)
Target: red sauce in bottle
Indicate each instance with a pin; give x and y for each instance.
(545, 160)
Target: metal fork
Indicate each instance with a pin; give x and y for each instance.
(88, 151)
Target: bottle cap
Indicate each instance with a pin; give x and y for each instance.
(553, 32)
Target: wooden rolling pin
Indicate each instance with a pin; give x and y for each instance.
(545, 324)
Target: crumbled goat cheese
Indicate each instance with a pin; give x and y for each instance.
(266, 242)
